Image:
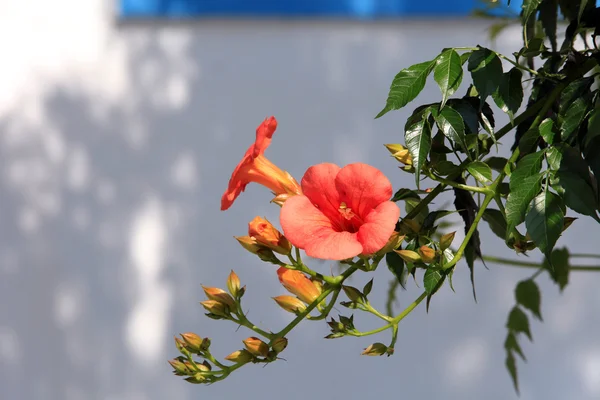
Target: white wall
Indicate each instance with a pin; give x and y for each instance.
(116, 144)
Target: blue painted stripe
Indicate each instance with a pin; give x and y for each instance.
(295, 8)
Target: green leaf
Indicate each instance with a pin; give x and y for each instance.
(558, 266)
(511, 344)
(529, 8)
(554, 158)
(518, 322)
(544, 221)
(496, 163)
(548, 17)
(528, 295)
(448, 73)
(431, 279)
(496, 221)
(525, 184)
(395, 264)
(547, 130)
(509, 95)
(452, 126)
(406, 86)
(519, 198)
(418, 141)
(432, 282)
(403, 194)
(480, 171)
(434, 216)
(367, 288)
(529, 141)
(573, 117)
(511, 366)
(445, 168)
(468, 114)
(578, 194)
(486, 71)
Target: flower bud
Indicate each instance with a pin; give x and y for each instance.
(198, 378)
(181, 346)
(267, 235)
(216, 307)
(427, 254)
(297, 283)
(220, 295)
(279, 345)
(393, 242)
(192, 341)
(446, 240)
(240, 356)
(179, 367)
(280, 199)
(376, 349)
(409, 256)
(290, 304)
(256, 346)
(248, 243)
(394, 148)
(233, 283)
(353, 294)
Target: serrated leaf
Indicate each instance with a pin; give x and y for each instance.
(395, 264)
(573, 117)
(496, 221)
(578, 194)
(448, 73)
(403, 194)
(486, 71)
(418, 141)
(406, 86)
(509, 95)
(528, 295)
(511, 366)
(529, 8)
(547, 130)
(554, 158)
(450, 122)
(480, 171)
(527, 166)
(468, 114)
(511, 344)
(519, 198)
(518, 322)
(445, 168)
(544, 221)
(559, 267)
(529, 141)
(431, 279)
(548, 17)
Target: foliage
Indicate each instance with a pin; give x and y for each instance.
(551, 174)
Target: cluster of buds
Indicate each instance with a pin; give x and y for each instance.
(295, 282)
(255, 350)
(341, 328)
(221, 304)
(401, 154)
(184, 365)
(265, 240)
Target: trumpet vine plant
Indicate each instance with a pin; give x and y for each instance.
(548, 89)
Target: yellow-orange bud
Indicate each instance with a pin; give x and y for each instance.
(233, 283)
(248, 243)
(192, 341)
(297, 283)
(290, 303)
(427, 254)
(376, 349)
(220, 295)
(216, 307)
(267, 235)
(256, 346)
(279, 345)
(446, 240)
(239, 356)
(409, 256)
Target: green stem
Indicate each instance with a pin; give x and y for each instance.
(327, 310)
(369, 308)
(583, 255)
(447, 182)
(528, 264)
(396, 319)
(243, 321)
(516, 64)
